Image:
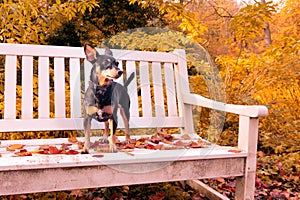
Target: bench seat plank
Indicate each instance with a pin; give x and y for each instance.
(53, 179)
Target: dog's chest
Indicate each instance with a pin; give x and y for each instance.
(103, 95)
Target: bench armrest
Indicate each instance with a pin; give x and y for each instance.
(244, 110)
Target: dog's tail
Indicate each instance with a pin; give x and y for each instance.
(129, 79)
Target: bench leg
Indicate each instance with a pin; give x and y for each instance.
(245, 186)
(248, 136)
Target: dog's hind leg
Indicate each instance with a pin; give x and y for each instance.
(125, 116)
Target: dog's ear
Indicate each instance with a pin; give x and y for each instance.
(90, 52)
(108, 52)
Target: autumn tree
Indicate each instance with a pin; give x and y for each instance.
(31, 21)
(104, 21)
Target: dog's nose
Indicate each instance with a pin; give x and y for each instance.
(120, 72)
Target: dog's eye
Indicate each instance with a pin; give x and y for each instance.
(117, 63)
(109, 67)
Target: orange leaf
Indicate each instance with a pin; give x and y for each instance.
(13, 147)
(235, 150)
(72, 140)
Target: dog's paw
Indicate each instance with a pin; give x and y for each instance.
(85, 151)
(113, 149)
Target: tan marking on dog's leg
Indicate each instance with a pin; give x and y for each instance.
(90, 110)
(112, 139)
(87, 138)
(106, 129)
(126, 122)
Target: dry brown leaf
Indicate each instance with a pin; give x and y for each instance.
(185, 137)
(179, 143)
(80, 145)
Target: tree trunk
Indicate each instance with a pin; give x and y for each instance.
(267, 30)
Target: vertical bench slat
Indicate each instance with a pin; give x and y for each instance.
(59, 89)
(158, 89)
(87, 71)
(10, 87)
(27, 87)
(145, 89)
(75, 89)
(121, 78)
(170, 90)
(132, 89)
(43, 70)
(182, 85)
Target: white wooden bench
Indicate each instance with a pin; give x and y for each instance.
(57, 65)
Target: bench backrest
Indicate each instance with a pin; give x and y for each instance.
(43, 88)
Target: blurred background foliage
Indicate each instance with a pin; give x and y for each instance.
(255, 48)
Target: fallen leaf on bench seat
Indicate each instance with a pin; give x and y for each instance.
(80, 145)
(64, 147)
(143, 139)
(195, 145)
(159, 146)
(44, 147)
(179, 143)
(185, 137)
(150, 146)
(155, 139)
(98, 156)
(235, 150)
(39, 151)
(198, 144)
(53, 150)
(23, 152)
(140, 145)
(130, 146)
(13, 147)
(72, 140)
(72, 152)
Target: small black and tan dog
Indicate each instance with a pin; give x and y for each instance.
(104, 96)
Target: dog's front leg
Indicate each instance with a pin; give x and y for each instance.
(87, 130)
(112, 137)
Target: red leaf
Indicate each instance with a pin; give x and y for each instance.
(53, 150)
(72, 152)
(23, 152)
(150, 146)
